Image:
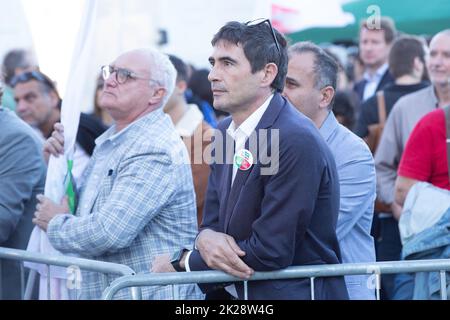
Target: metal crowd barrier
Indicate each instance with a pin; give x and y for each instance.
(311, 272)
(63, 261)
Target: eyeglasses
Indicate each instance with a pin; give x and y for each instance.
(32, 75)
(260, 21)
(122, 75)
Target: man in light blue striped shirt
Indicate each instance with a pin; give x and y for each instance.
(310, 87)
(138, 199)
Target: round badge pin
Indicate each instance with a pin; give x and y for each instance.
(243, 160)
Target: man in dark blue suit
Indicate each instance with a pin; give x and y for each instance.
(264, 215)
(374, 45)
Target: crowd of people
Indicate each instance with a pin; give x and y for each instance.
(279, 155)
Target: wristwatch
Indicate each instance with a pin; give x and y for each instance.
(176, 258)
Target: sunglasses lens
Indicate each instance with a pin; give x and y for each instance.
(105, 72)
(24, 77)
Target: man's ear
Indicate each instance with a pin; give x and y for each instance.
(327, 95)
(158, 96)
(270, 73)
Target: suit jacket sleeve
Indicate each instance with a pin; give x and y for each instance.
(212, 204)
(21, 166)
(210, 219)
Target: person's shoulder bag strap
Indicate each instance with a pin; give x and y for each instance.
(381, 108)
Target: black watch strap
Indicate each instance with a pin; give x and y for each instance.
(176, 258)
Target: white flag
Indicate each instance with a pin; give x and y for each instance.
(57, 168)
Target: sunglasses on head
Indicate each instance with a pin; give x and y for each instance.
(260, 21)
(32, 75)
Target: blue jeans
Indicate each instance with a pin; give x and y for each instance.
(404, 286)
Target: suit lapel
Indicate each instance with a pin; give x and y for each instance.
(239, 181)
(384, 80)
(359, 88)
(225, 187)
(226, 176)
(266, 122)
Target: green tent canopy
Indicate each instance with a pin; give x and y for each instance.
(412, 16)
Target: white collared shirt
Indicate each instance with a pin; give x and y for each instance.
(244, 131)
(373, 81)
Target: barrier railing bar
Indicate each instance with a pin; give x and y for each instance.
(443, 285)
(65, 261)
(30, 285)
(48, 283)
(1, 284)
(313, 297)
(245, 290)
(386, 267)
(378, 286)
(22, 280)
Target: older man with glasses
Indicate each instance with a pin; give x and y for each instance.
(138, 200)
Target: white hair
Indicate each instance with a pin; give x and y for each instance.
(161, 70)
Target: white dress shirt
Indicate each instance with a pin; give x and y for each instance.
(244, 131)
(373, 81)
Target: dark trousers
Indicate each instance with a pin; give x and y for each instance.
(388, 247)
